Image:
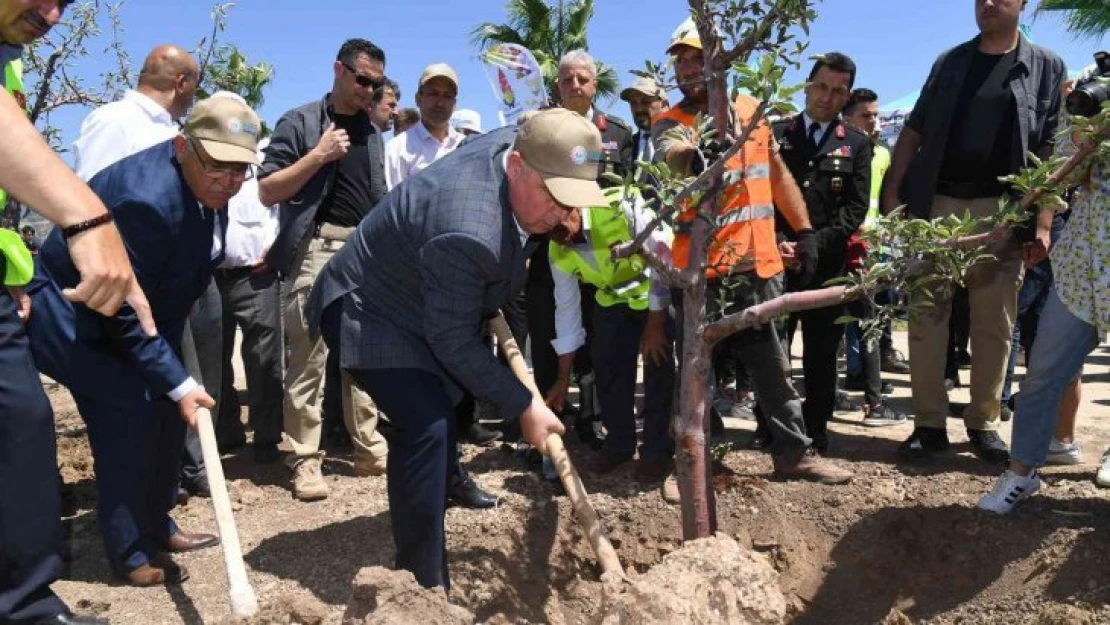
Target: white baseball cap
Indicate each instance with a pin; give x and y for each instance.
(466, 119)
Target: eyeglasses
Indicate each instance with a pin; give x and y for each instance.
(215, 171)
(364, 81)
(839, 91)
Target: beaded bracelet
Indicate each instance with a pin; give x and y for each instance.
(76, 229)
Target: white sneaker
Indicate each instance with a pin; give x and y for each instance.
(1102, 478)
(1009, 490)
(1064, 453)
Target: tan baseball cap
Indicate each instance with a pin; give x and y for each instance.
(645, 86)
(565, 148)
(685, 35)
(437, 70)
(227, 129)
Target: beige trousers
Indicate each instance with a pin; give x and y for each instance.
(305, 365)
(992, 288)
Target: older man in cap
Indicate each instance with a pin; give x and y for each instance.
(132, 389)
(434, 136)
(404, 302)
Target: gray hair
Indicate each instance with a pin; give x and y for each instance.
(579, 57)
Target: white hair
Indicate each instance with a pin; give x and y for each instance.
(579, 57)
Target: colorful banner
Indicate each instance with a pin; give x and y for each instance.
(516, 78)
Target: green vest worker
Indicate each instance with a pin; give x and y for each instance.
(630, 308)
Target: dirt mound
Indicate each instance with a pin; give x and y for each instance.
(712, 580)
(383, 597)
(299, 609)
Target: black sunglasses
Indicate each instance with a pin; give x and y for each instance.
(364, 81)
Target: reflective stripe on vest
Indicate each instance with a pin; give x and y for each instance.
(624, 281)
(745, 225)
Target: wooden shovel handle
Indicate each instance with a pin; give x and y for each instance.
(576, 491)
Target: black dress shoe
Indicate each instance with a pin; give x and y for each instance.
(198, 487)
(467, 494)
(69, 618)
(478, 434)
(989, 446)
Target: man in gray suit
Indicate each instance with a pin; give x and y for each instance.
(405, 300)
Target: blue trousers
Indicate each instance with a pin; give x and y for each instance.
(137, 439)
(30, 523)
(1063, 343)
(137, 444)
(615, 352)
(422, 457)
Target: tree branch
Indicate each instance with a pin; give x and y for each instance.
(754, 37)
(44, 84)
(764, 312)
(1030, 199)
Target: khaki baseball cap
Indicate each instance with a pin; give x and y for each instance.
(437, 70)
(685, 35)
(645, 86)
(565, 148)
(227, 129)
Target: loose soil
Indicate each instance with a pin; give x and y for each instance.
(903, 543)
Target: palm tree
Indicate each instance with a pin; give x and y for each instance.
(549, 31)
(1084, 18)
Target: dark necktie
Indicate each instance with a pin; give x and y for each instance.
(814, 128)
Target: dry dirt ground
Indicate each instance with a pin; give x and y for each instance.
(901, 537)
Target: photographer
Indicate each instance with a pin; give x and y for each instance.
(1075, 318)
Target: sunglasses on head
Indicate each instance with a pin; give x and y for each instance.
(364, 81)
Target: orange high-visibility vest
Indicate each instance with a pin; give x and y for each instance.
(745, 233)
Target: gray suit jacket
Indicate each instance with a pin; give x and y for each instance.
(437, 256)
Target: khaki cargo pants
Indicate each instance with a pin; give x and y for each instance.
(992, 288)
(305, 366)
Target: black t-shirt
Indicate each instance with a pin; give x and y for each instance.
(351, 194)
(983, 134)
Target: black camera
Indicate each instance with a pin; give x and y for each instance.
(1089, 94)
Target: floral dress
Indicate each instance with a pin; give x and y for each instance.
(1081, 258)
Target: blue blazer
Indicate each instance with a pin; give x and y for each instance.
(169, 239)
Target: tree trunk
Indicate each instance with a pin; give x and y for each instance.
(691, 424)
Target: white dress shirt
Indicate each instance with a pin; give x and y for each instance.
(415, 149)
(120, 129)
(569, 333)
(824, 127)
(251, 228)
(217, 247)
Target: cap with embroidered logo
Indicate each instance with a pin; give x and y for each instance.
(565, 148)
(226, 128)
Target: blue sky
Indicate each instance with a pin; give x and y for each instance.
(893, 42)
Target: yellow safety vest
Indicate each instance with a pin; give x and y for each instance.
(18, 266)
(623, 281)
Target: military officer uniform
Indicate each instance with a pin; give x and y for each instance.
(832, 164)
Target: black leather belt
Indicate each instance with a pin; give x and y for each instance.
(970, 190)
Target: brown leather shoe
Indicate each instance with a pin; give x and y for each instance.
(161, 573)
(184, 541)
(806, 464)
